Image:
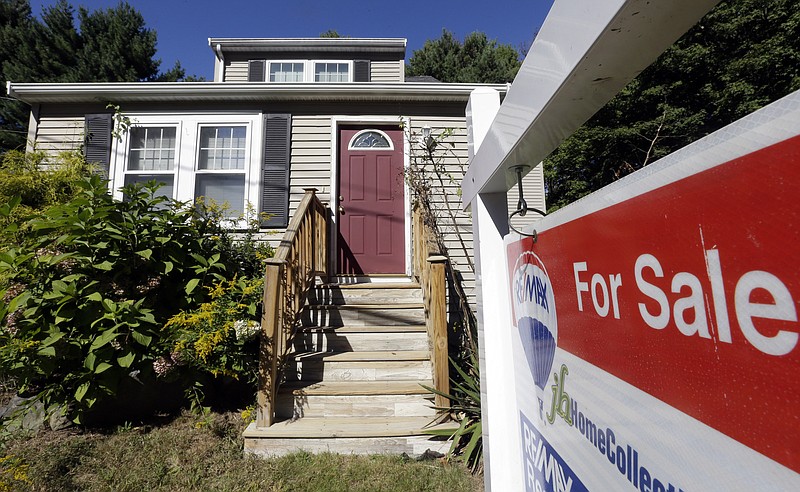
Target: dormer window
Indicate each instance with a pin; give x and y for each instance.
(331, 72)
(292, 71)
(286, 71)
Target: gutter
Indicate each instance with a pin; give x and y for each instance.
(220, 75)
(240, 92)
(265, 45)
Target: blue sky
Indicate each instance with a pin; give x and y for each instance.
(184, 26)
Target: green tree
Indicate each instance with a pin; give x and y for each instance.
(741, 56)
(330, 33)
(477, 60)
(18, 61)
(108, 45)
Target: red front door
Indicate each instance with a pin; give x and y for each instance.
(371, 213)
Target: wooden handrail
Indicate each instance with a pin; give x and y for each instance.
(301, 257)
(429, 270)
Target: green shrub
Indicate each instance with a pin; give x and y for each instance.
(37, 184)
(92, 283)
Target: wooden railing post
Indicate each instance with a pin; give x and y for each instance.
(271, 341)
(437, 317)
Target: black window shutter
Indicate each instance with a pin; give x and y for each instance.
(275, 170)
(361, 71)
(256, 70)
(97, 141)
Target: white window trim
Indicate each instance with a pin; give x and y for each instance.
(309, 68)
(187, 143)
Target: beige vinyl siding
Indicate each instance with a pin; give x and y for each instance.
(310, 159)
(56, 134)
(387, 71)
(455, 225)
(236, 71)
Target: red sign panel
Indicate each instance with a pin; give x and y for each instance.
(690, 293)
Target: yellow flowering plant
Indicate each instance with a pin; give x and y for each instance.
(220, 336)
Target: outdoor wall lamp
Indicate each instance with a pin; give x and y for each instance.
(427, 140)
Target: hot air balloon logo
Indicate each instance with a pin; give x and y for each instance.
(535, 315)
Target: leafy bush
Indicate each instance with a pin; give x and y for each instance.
(27, 176)
(92, 283)
(465, 407)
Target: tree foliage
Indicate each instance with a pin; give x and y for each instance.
(741, 56)
(110, 45)
(477, 60)
(331, 33)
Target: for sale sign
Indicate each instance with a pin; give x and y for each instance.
(656, 331)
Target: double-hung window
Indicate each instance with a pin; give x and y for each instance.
(331, 72)
(151, 156)
(221, 166)
(286, 71)
(217, 157)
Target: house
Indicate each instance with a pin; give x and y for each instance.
(283, 116)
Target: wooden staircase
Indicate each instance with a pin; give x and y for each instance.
(353, 382)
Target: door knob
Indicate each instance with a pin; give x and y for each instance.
(341, 209)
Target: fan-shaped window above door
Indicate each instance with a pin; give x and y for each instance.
(370, 139)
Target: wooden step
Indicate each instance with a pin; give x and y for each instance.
(364, 329)
(342, 341)
(359, 366)
(356, 398)
(364, 356)
(344, 427)
(372, 285)
(409, 445)
(372, 294)
(337, 388)
(363, 314)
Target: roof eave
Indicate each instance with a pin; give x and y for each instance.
(33, 93)
(393, 45)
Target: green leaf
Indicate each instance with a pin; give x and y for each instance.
(168, 265)
(192, 284)
(90, 361)
(18, 301)
(47, 351)
(470, 449)
(109, 305)
(53, 338)
(81, 391)
(126, 360)
(145, 253)
(199, 259)
(106, 266)
(101, 367)
(95, 296)
(147, 317)
(103, 339)
(141, 338)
